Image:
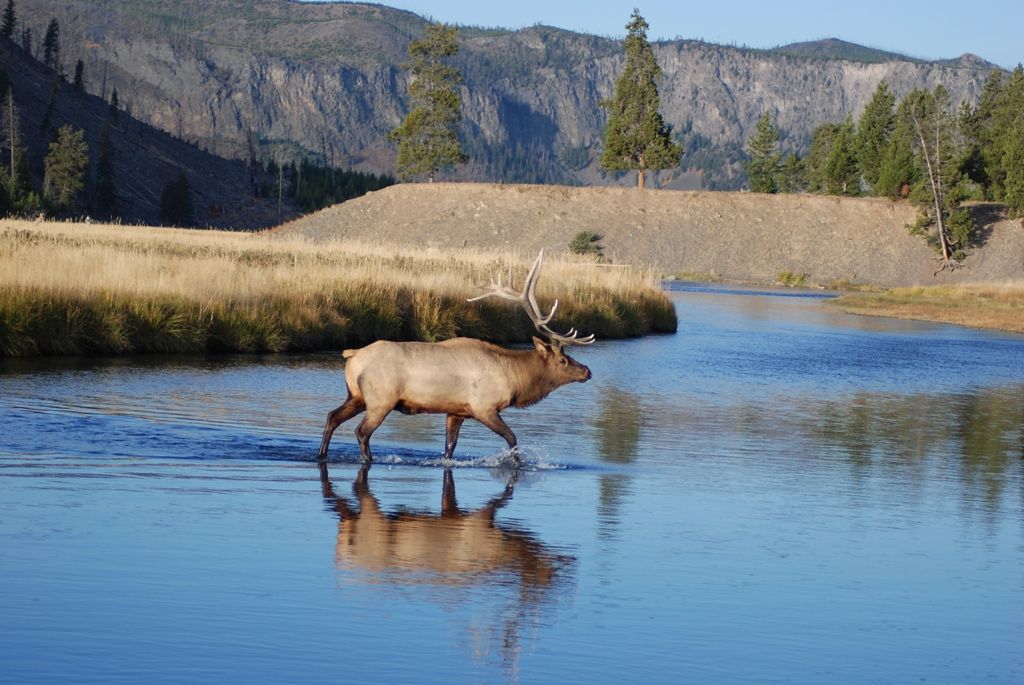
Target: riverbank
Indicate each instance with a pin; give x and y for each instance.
(993, 306)
(70, 288)
(741, 237)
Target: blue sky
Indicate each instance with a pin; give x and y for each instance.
(930, 30)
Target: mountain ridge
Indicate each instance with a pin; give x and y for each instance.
(144, 157)
(325, 79)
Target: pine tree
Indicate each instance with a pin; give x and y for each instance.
(51, 45)
(636, 136)
(898, 172)
(842, 174)
(1013, 163)
(79, 82)
(51, 107)
(65, 166)
(993, 121)
(822, 141)
(765, 159)
(873, 131)
(9, 20)
(176, 208)
(16, 178)
(114, 104)
(791, 178)
(932, 127)
(427, 137)
(106, 193)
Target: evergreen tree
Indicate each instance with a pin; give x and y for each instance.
(106, 194)
(791, 174)
(9, 20)
(16, 178)
(114, 104)
(1013, 163)
(873, 131)
(898, 172)
(65, 166)
(822, 141)
(933, 127)
(79, 82)
(992, 124)
(51, 45)
(427, 137)
(176, 208)
(636, 136)
(841, 173)
(51, 107)
(765, 159)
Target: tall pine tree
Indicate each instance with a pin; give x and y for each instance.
(65, 164)
(1013, 163)
(9, 20)
(765, 159)
(427, 137)
(51, 45)
(636, 136)
(841, 173)
(898, 172)
(13, 149)
(106, 194)
(873, 132)
(932, 125)
(79, 82)
(176, 208)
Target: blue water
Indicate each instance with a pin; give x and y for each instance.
(778, 493)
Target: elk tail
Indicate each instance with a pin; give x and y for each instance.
(348, 354)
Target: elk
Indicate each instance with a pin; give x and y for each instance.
(463, 378)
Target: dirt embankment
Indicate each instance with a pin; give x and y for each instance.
(733, 236)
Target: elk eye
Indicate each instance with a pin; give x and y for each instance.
(563, 361)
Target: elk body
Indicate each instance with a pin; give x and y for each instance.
(463, 378)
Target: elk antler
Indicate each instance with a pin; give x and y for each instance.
(529, 302)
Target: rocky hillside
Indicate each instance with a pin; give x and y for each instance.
(325, 78)
(736, 236)
(144, 157)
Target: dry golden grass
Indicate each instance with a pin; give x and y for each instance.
(998, 306)
(280, 285)
(217, 264)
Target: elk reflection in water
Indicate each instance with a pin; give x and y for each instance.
(454, 548)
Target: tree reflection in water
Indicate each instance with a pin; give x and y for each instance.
(618, 431)
(451, 552)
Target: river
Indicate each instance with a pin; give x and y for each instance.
(780, 492)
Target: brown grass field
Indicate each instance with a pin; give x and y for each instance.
(995, 306)
(69, 288)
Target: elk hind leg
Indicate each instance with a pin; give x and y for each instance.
(452, 425)
(374, 417)
(352, 406)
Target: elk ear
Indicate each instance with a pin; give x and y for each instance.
(541, 346)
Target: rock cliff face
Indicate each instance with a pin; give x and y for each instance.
(145, 158)
(327, 78)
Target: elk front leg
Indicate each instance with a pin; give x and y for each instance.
(452, 425)
(494, 421)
